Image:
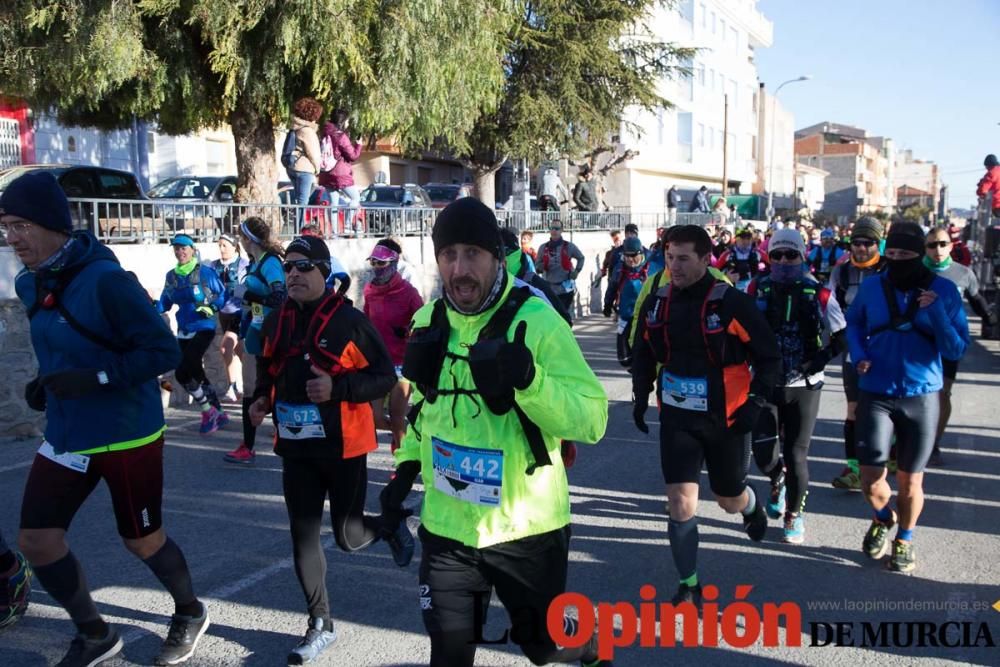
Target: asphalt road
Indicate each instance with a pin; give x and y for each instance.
(232, 526)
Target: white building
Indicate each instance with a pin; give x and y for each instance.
(683, 146)
(776, 118)
(140, 149)
(810, 186)
(920, 174)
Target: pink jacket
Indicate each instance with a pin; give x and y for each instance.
(390, 307)
(346, 153)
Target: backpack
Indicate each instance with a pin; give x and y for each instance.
(289, 154)
(565, 261)
(327, 160)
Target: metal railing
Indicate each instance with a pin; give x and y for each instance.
(149, 221)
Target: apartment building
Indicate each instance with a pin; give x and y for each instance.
(917, 176)
(683, 146)
(860, 168)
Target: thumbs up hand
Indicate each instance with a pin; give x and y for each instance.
(499, 367)
(320, 388)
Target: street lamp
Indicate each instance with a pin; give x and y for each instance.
(770, 169)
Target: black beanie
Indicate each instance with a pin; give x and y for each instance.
(469, 221)
(905, 236)
(990, 161)
(511, 242)
(313, 248)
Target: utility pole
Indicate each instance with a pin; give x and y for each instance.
(725, 145)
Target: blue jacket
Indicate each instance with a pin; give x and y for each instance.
(264, 290)
(189, 294)
(906, 363)
(231, 275)
(107, 301)
(624, 286)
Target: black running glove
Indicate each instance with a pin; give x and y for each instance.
(745, 417)
(74, 383)
(639, 406)
(392, 496)
(34, 395)
(499, 367)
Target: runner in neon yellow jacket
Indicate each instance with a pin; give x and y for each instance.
(565, 400)
(498, 382)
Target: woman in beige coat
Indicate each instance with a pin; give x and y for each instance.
(302, 173)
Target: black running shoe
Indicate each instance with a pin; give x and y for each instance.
(182, 638)
(755, 525)
(687, 593)
(875, 544)
(87, 652)
(902, 559)
(401, 543)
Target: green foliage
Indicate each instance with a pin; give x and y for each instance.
(416, 71)
(916, 213)
(573, 69)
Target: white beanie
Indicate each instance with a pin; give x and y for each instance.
(787, 238)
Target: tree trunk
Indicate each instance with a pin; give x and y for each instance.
(484, 180)
(256, 170)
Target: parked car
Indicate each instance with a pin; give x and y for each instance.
(181, 201)
(382, 204)
(442, 194)
(88, 182)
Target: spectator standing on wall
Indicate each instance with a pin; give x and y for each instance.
(303, 170)
(340, 153)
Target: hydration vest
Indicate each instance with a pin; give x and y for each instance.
(427, 349)
(744, 267)
(714, 324)
(564, 259)
(229, 274)
(194, 282)
(844, 279)
(279, 346)
(803, 303)
(902, 321)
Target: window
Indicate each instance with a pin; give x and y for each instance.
(71, 143)
(718, 138)
(701, 135)
(733, 97)
(701, 76)
(686, 81)
(78, 183)
(150, 142)
(686, 9)
(735, 38)
(722, 29)
(713, 23)
(659, 126)
(711, 79)
(118, 186)
(704, 16)
(684, 138)
(711, 138)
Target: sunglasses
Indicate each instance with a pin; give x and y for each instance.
(864, 243)
(937, 244)
(633, 255)
(302, 265)
(779, 255)
(378, 263)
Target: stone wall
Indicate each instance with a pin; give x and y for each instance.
(150, 262)
(17, 360)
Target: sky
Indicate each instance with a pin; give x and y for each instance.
(921, 72)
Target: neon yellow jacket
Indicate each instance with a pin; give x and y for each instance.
(658, 280)
(565, 400)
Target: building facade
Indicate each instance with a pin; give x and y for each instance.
(810, 187)
(860, 168)
(918, 175)
(715, 107)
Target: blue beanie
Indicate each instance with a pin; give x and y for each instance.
(37, 197)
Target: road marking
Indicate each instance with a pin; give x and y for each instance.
(16, 466)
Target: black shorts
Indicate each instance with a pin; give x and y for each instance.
(950, 369)
(687, 441)
(914, 420)
(456, 582)
(134, 477)
(230, 322)
(851, 389)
